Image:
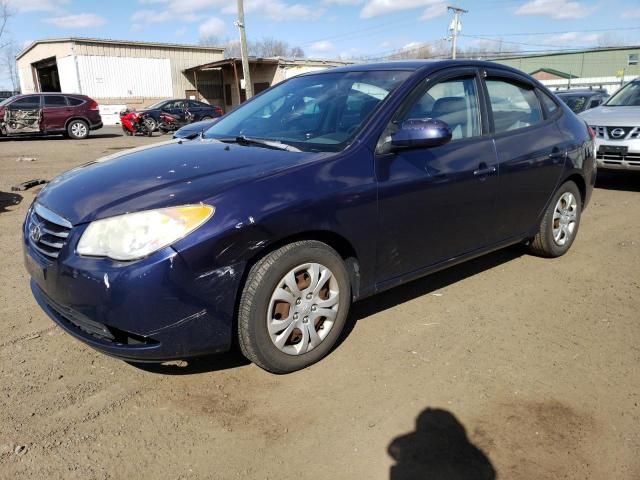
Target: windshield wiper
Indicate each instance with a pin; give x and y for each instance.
(276, 145)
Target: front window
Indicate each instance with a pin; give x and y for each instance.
(321, 112)
(627, 96)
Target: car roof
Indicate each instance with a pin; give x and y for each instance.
(415, 65)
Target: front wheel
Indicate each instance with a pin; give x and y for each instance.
(151, 124)
(294, 306)
(559, 225)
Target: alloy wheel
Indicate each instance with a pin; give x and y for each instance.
(303, 308)
(565, 216)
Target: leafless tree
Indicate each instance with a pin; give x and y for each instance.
(5, 14)
(266, 47)
(8, 61)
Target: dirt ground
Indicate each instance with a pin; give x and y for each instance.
(509, 366)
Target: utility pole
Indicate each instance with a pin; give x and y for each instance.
(248, 86)
(455, 27)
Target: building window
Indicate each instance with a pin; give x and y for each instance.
(633, 59)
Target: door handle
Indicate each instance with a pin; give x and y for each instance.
(481, 172)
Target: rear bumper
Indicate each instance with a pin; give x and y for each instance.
(96, 126)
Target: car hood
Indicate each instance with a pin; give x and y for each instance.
(612, 116)
(171, 173)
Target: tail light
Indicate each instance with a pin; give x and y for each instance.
(93, 105)
(218, 110)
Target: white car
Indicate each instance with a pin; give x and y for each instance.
(617, 127)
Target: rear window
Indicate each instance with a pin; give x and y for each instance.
(548, 102)
(54, 101)
(75, 101)
(514, 106)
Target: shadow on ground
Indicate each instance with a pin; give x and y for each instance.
(24, 138)
(628, 181)
(438, 449)
(8, 200)
(192, 366)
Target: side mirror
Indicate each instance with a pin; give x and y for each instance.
(421, 133)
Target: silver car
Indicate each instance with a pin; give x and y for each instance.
(617, 127)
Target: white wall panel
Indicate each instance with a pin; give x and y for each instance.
(68, 74)
(26, 80)
(122, 77)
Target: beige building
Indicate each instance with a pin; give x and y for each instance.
(222, 82)
(111, 71)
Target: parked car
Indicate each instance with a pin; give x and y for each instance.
(180, 107)
(49, 114)
(617, 127)
(326, 189)
(194, 129)
(580, 100)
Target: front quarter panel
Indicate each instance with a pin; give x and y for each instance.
(334, 195)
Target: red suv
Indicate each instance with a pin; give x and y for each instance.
(72, 115)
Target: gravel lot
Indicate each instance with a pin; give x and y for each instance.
(510, 367)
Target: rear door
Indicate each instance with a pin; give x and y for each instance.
(55, 112)
(437, 203)
(530, 148)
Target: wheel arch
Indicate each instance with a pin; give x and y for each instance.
(338, 242)
(76, 117)
(580, 183)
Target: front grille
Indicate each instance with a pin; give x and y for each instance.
(617, 133)
(616, 158)
(47, 231)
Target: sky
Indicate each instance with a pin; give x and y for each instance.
(337, 28)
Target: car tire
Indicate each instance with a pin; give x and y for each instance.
(151, 124)
(280, 285)
(559, 225)
(78, 129)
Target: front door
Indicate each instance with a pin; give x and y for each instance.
(24, 115)
(436, 203)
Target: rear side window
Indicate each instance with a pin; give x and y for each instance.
(514, 106)
(74, 101)
(549, 104)
(32, 101)
(54, 101)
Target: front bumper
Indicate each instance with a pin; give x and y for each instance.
(155, 309)
(618, 161)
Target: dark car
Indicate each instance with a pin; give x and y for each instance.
(49, 114)
(326, 189)
(180, 107)
(581, 100)
(194, 129)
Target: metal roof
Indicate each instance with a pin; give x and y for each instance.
(569, 52)
(272, 61)
(105, 41)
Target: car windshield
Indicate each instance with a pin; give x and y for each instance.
(5, 101)
(577, 103)
(627, 96)
(321, 112)
(156, 105)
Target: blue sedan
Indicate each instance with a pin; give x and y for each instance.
(325, 189)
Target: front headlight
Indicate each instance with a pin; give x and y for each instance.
(135, 235)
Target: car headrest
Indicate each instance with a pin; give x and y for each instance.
(446, 105)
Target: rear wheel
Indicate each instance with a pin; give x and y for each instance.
(205, 118)
(78, 129)
(294, 306)
(559, 225)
